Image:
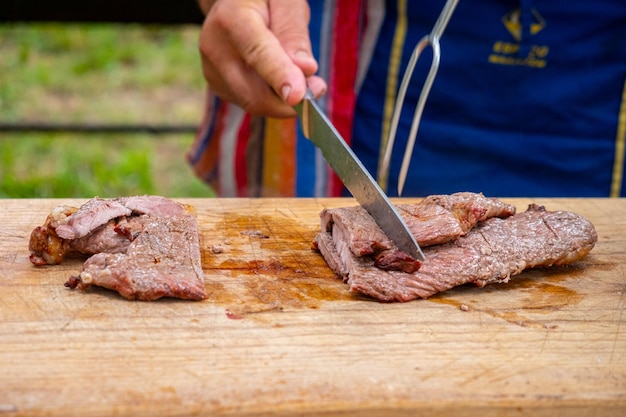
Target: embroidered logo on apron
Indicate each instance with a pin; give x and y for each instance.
(519, 53)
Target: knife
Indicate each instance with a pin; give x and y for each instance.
(355, 177)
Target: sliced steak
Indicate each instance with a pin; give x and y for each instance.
(154, 205)
(99, 211)
(144, 247)
(441, 218)
(90, 216)
(112, 237)
(99, 225)
(434, 220)
(491, 252)
(163, 261)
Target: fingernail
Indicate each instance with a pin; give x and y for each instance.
(284, 91)
(302, 54)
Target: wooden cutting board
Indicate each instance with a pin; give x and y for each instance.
(280, 335)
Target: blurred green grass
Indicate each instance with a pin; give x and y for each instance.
(100, 74)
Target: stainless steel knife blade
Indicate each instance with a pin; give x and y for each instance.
(355, 177)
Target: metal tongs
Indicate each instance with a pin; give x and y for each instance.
(431, 39)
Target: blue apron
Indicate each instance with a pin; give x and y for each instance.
(527, 100)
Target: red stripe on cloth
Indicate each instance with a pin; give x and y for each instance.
(344, 61)
(241, 171)
(288, 166)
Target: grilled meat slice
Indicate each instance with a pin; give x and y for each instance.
(90, 216)
(439, 219)
(162, 261)
(99, 225)
(491, 252)
(434, 220)
(99, 211)
(113, 237)
(145, 247)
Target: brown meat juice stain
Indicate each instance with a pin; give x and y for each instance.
(534, 291)
(260, 270)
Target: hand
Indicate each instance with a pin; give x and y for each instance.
(257, 54)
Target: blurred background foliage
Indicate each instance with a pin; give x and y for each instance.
(98, 74)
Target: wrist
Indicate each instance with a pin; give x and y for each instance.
(205, 5)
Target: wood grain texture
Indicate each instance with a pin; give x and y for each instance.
(280, 335)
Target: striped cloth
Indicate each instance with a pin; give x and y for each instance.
(244, 156)
(530, 100)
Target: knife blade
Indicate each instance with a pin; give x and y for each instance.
(319, 130)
